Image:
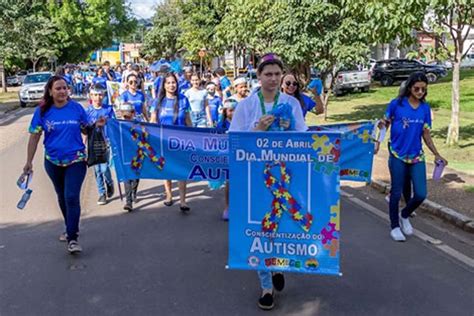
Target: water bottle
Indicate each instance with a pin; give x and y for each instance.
(24, 199)
(438, 170)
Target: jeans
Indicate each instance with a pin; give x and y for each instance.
(67, 183)
(400, 172)
(103, 175)
(78, 87)
(131, 187)
(199, 119)
(265, 279)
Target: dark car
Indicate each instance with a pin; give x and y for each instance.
(389, 71)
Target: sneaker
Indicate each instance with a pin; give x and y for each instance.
(225, 214)
(397, 234)
(406, 227)
(102, 200)
(278, 281)
(265, 302)
(73, 247)
(110, 190)
(128, 207)
(63, 237)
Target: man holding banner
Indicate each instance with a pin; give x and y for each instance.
(263, 111)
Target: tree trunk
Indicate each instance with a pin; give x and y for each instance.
(34, 61)
(453, 130)
(2, 77)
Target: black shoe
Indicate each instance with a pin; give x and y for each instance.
(110, 190)
(266, 302)
(278, 281)
(102, 200)
(184, 209)
(168, 203)
(128, 207)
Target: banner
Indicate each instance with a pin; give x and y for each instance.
(357, 148)
(113, 92)
(284, 201)
(150, 151)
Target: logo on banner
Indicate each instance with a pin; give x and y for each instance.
(144, 149)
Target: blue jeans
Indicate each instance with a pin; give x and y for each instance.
(265, 279)
(78, 87)
(199, 119)
(67, 183)
(401, 173)
(103, 175)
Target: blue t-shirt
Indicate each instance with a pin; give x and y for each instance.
(68, 79)
(157, 85)
(224, 124)
(94, 114)
(318, 84)
(184, 86)
(214, 106)
(62, 132)
(166, 115)
(118, 76)
(407, 129)
(137, 99)
(101, 81)
(308, 104)
(225, 82)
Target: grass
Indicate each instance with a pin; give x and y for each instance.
(372, 105)
(8, 96)
(469, 188)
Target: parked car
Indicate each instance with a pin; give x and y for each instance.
(33, 87)
(391, 70)
(349, 80)
(13, 81)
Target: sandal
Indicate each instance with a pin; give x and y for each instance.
(168, 202)
(185, 208)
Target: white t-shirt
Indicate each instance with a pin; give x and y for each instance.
(248, 113)
(196, 99)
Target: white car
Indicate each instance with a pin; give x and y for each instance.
(33, 87)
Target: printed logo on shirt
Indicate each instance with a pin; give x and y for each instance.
(406, 122)
(51, 124)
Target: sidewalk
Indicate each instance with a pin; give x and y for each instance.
(451, 191)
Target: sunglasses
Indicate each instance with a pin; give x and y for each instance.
(420, 89)
(132, 82)
(291, 83)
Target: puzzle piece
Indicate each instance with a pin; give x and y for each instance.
(329, 233)
(365, 136)
(324, 167)
(335, 212)
(333, 247)
(321, 144)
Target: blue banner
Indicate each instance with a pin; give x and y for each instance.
(357, 148)
(284, 201)
(150, 151)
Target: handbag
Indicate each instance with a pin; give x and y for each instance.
(97, 148)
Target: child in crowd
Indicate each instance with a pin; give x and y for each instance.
(214, 104)
(95, 112)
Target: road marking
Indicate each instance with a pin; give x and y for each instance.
(425, 237)
(13, 115)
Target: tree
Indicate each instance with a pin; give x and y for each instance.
(162, 38)
(84, 26)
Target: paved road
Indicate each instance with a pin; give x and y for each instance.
(157, 261)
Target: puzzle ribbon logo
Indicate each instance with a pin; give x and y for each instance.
(283, 201)
(140, 136)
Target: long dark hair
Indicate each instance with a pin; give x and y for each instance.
(297, 94)
(405, 91)
(162, 95)
(47, 101)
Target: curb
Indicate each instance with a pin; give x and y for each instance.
(460, 220)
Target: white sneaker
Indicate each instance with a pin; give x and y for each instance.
(397, 234)
(406, 227)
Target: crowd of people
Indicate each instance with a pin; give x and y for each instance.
(188, 98)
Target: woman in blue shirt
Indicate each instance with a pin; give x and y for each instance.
(62, 120)
(291, 86)
(135, 97)
(410, 118)
(99, 79)
(172, 108)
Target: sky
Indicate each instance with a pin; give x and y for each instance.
(143, 8)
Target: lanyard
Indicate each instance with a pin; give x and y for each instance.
(262, 103)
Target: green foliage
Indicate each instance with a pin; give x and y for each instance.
(162, 38)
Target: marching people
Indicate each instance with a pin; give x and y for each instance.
(103, 176)
(172, 108)
(198, 101)
(61, 120)
(100, 79)
(251, 115)
(241, 89)
(135, 97)
(224, 82)
(185, 80)
(291, 86)
(409, 116)
(214, 104)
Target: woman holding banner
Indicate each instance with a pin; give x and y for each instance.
(255, 114)
(410, 117)
(172, 108)
(135, 97)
